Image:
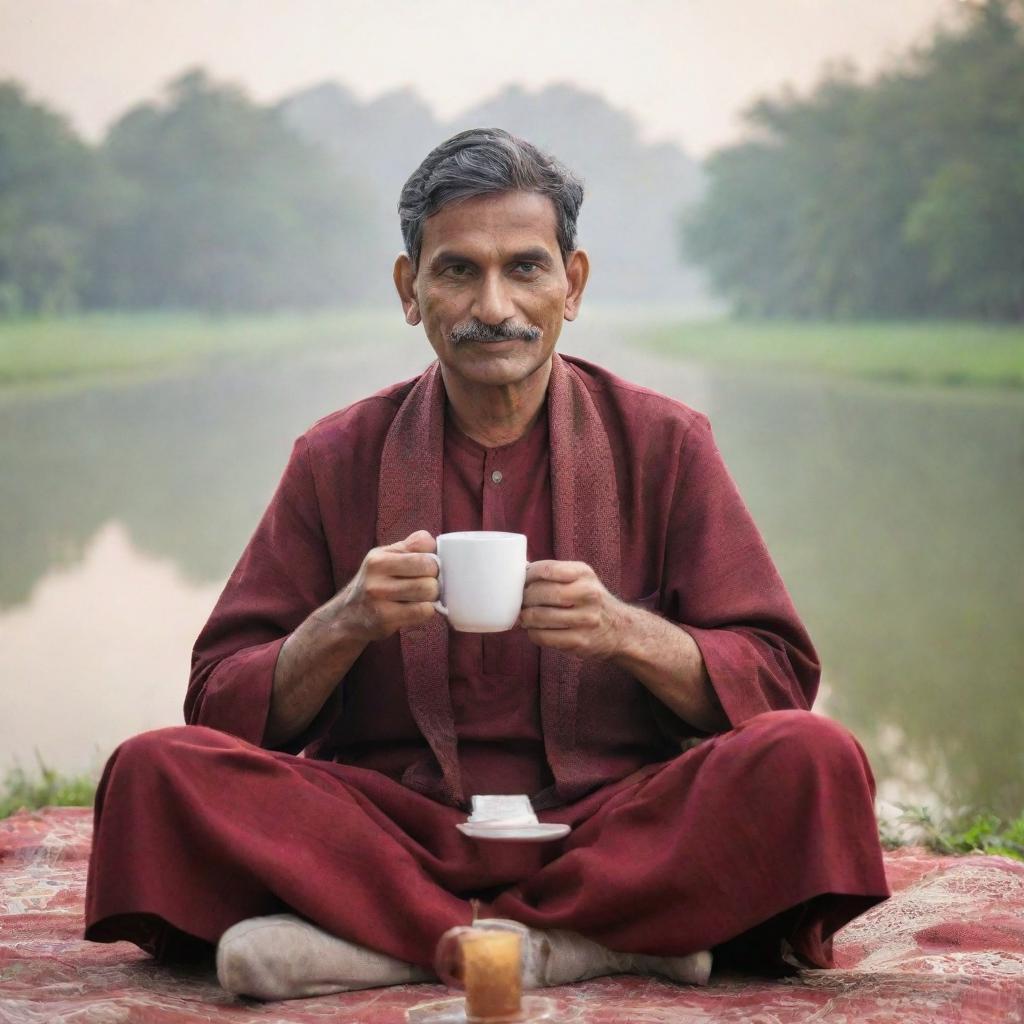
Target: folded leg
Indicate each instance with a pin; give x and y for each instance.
(770, 822)
(197, 830)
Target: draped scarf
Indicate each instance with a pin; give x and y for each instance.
(585, 517)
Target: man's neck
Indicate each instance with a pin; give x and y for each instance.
(495, 416)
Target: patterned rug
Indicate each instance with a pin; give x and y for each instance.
(948, 947)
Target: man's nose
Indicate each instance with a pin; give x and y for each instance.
(493, 302)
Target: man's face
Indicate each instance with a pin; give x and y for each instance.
(491, 266)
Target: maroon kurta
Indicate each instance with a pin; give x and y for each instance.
(494, 677)
(670, 853)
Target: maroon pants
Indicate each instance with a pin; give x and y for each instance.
(761, 833)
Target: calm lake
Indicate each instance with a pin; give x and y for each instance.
(896, 516)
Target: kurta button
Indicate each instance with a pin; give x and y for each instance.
(496, 476)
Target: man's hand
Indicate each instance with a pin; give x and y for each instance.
(567, 607)
(395, 587)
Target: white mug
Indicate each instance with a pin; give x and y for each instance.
(481, 575)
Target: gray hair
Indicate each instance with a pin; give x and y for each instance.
(484, 161)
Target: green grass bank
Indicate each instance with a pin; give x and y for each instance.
(81, 351)
(944, 354)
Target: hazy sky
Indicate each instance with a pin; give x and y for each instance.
(684, 68)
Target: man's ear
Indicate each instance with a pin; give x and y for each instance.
(405, 284)
(577, 271)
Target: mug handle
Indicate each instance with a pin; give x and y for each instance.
(439, 604)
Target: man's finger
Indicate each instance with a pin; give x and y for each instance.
(556, 571)
(556, 618)
(414, 614)
(418, 540)
(402, 591)
(555, 595)
(398, 563)
(560, 639)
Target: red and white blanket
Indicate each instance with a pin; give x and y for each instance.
(948, 947)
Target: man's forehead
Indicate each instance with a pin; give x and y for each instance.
(505, 219)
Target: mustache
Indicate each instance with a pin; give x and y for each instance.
(474, 330)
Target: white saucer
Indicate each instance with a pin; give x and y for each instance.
(539, 833)
(453, 1011)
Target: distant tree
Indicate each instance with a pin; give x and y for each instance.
(634, 189)
(899, 197)
(223, 208)
(968, 217)
(49, 181)
(377, 143)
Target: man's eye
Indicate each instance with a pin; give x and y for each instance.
(457, 270)
(527, 267)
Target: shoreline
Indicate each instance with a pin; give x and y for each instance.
(53, 356)
(948, 356)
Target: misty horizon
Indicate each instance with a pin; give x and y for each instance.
(683, 72)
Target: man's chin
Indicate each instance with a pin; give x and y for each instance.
(500, 366)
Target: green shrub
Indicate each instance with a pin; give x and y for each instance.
(970, 833)
(22, 791)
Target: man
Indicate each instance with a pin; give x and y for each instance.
(655, 696)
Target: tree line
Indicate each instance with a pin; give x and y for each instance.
(206, 201)
(900, 197)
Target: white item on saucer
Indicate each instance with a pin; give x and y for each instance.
(539, 833)
(510, 817)
(515, 809)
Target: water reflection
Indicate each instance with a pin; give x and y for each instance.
(897, 520)
(894, 515)
(97, 653)
(187, 464)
